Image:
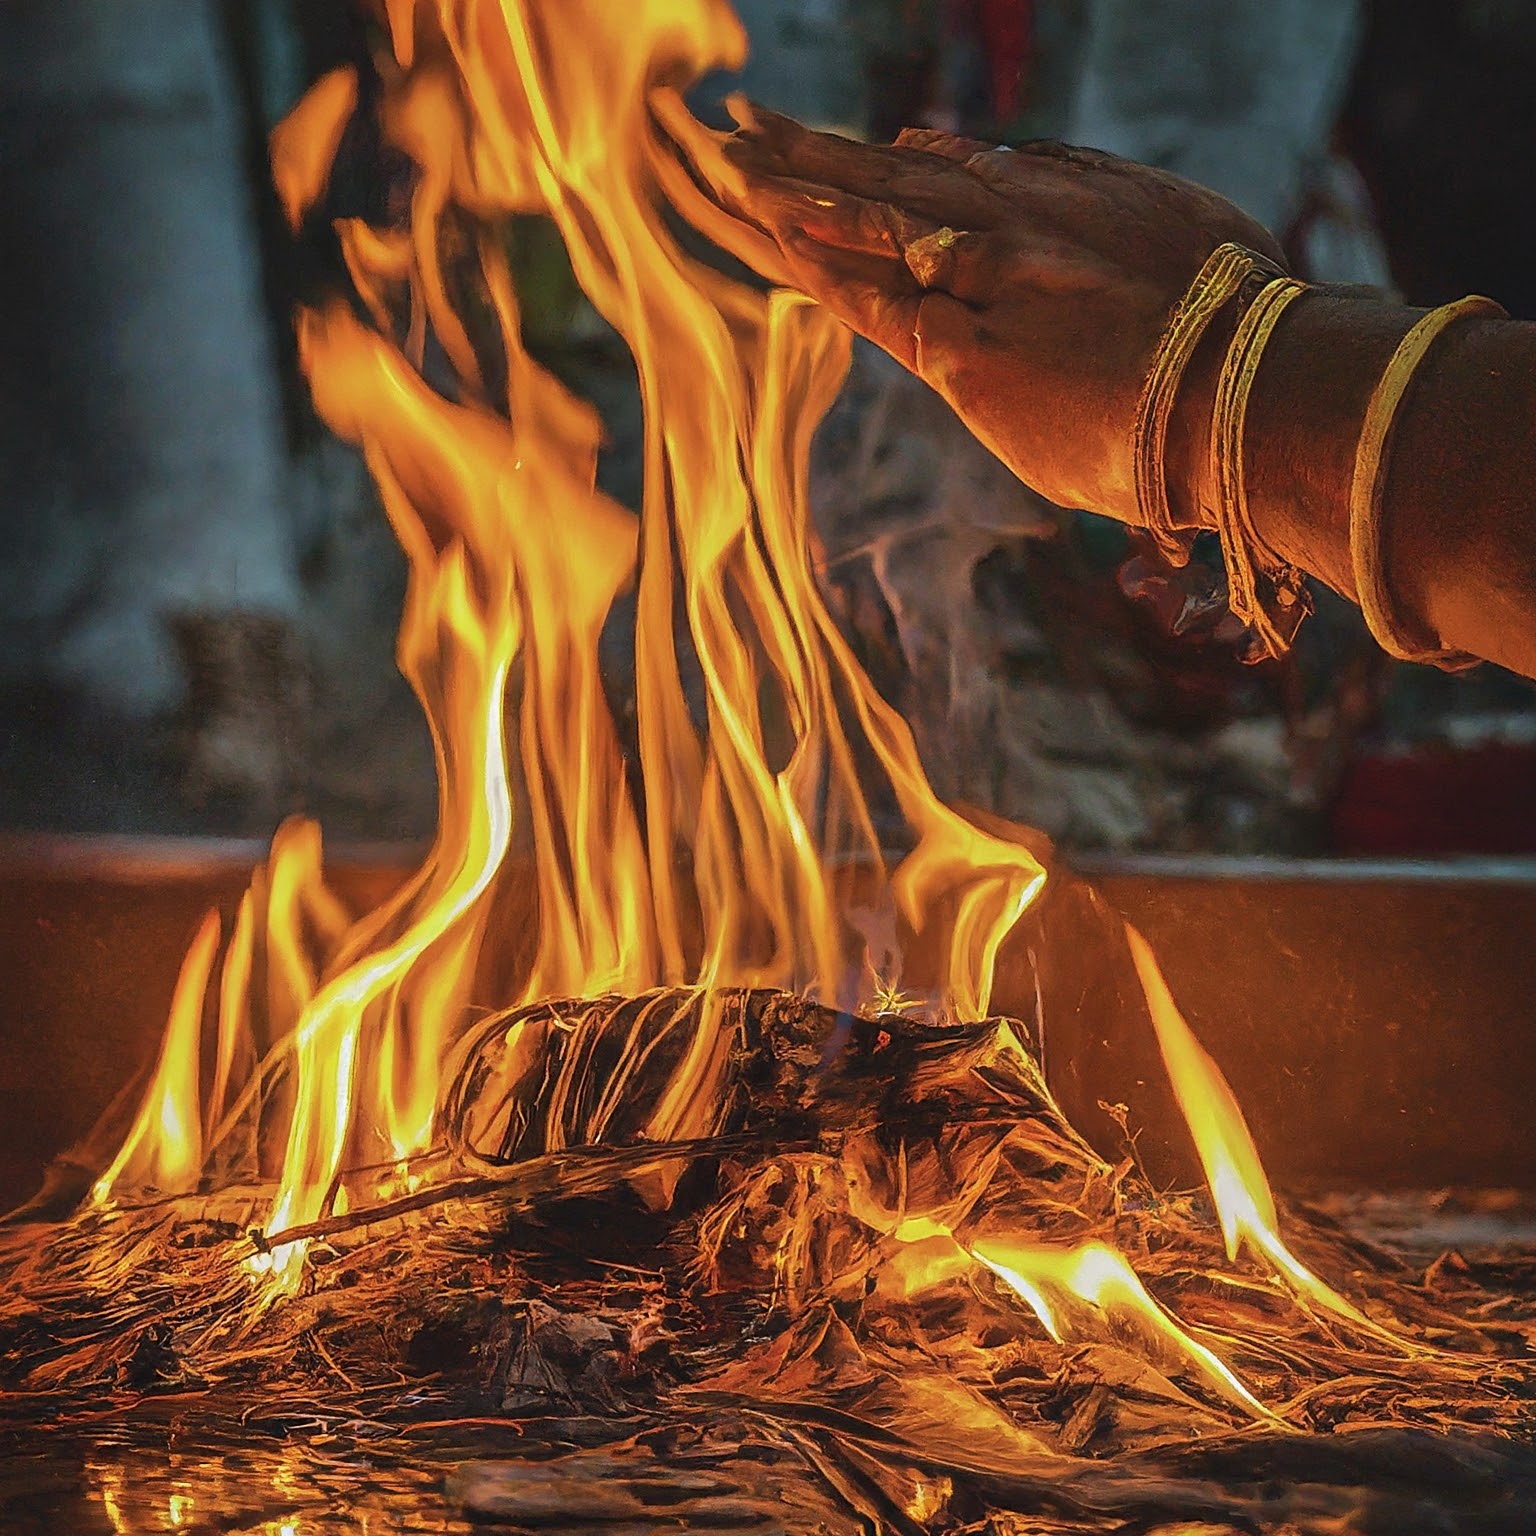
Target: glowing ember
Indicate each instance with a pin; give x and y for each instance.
(735, 847)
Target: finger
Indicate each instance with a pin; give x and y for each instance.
(1044, 160)
(1077, 155)
(781, 145)
(923, 187)
(700, 146)
(926, 332)
(984, 268)
(973, 267)
(834, 218)
(1015, 267)
(877, 298)
(952, 146)
(718, 223)
(992, 161)
(766, 201)
(752, 116)
(890, 172)
(932, 258)
(816, 217)
(710, 199)
(754, 135)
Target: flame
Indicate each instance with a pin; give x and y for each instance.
(1245, 1205)
(164, 1147)
(731, 840)
(1091, 1294)
(305, 143)
(726, 870)
(1083, 1294)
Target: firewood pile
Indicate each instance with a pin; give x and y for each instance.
(751, 1331)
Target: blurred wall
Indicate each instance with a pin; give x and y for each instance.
(804, 60)
(140, 440)
(1239, 95)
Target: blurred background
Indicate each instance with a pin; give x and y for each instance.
(198, 594)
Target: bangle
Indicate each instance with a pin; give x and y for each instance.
(1217, 281)
(1265, 592)
(1366, 488)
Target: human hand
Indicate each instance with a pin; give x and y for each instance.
(1029, 287)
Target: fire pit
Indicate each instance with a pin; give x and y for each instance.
(714, 1129)
(1370, 1016)
(531, 1373)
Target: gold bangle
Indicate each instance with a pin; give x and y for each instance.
(1216, 282)
(1366, 488)
(1265, 592)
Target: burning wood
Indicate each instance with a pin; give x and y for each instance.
(683, 1150)
(838, 1277)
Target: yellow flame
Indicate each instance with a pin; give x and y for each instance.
(1083, 1294)
(708, 846)
(1245, 1205)
(305, 143)
(725, 871)
(1090, 1294)
(234, 987)
(164, 1148)
(711, 844)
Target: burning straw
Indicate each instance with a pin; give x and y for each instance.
(856, 1241)
(678, 1149)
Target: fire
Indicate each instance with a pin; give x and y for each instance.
(734, 844)
(165, 1147)
(1090, 1292)
(1240, 1191)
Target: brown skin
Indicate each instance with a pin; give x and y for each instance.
(1039, 320)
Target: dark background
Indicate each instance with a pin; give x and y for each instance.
(198, 595)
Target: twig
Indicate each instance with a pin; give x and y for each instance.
(556, 1173)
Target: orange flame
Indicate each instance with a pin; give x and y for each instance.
(1245, 1205)
(715, 851)
(1085, 1294)
(727, 869)
(164, 1147)
(1090, 1293)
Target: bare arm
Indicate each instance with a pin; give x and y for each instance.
(1031, 288)
(1460, 546)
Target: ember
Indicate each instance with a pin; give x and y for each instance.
(725, 1164)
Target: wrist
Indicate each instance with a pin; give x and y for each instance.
(1304, 418)
(1187, 453)
(1459, 558)
(1309, 405)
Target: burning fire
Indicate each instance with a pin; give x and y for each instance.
(735, 842)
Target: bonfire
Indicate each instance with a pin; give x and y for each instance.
(678, 1138)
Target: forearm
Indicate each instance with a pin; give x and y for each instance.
(1459, 544)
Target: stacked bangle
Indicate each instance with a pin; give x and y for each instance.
(1266, 592)
(1216, 283)
(1366, 551)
